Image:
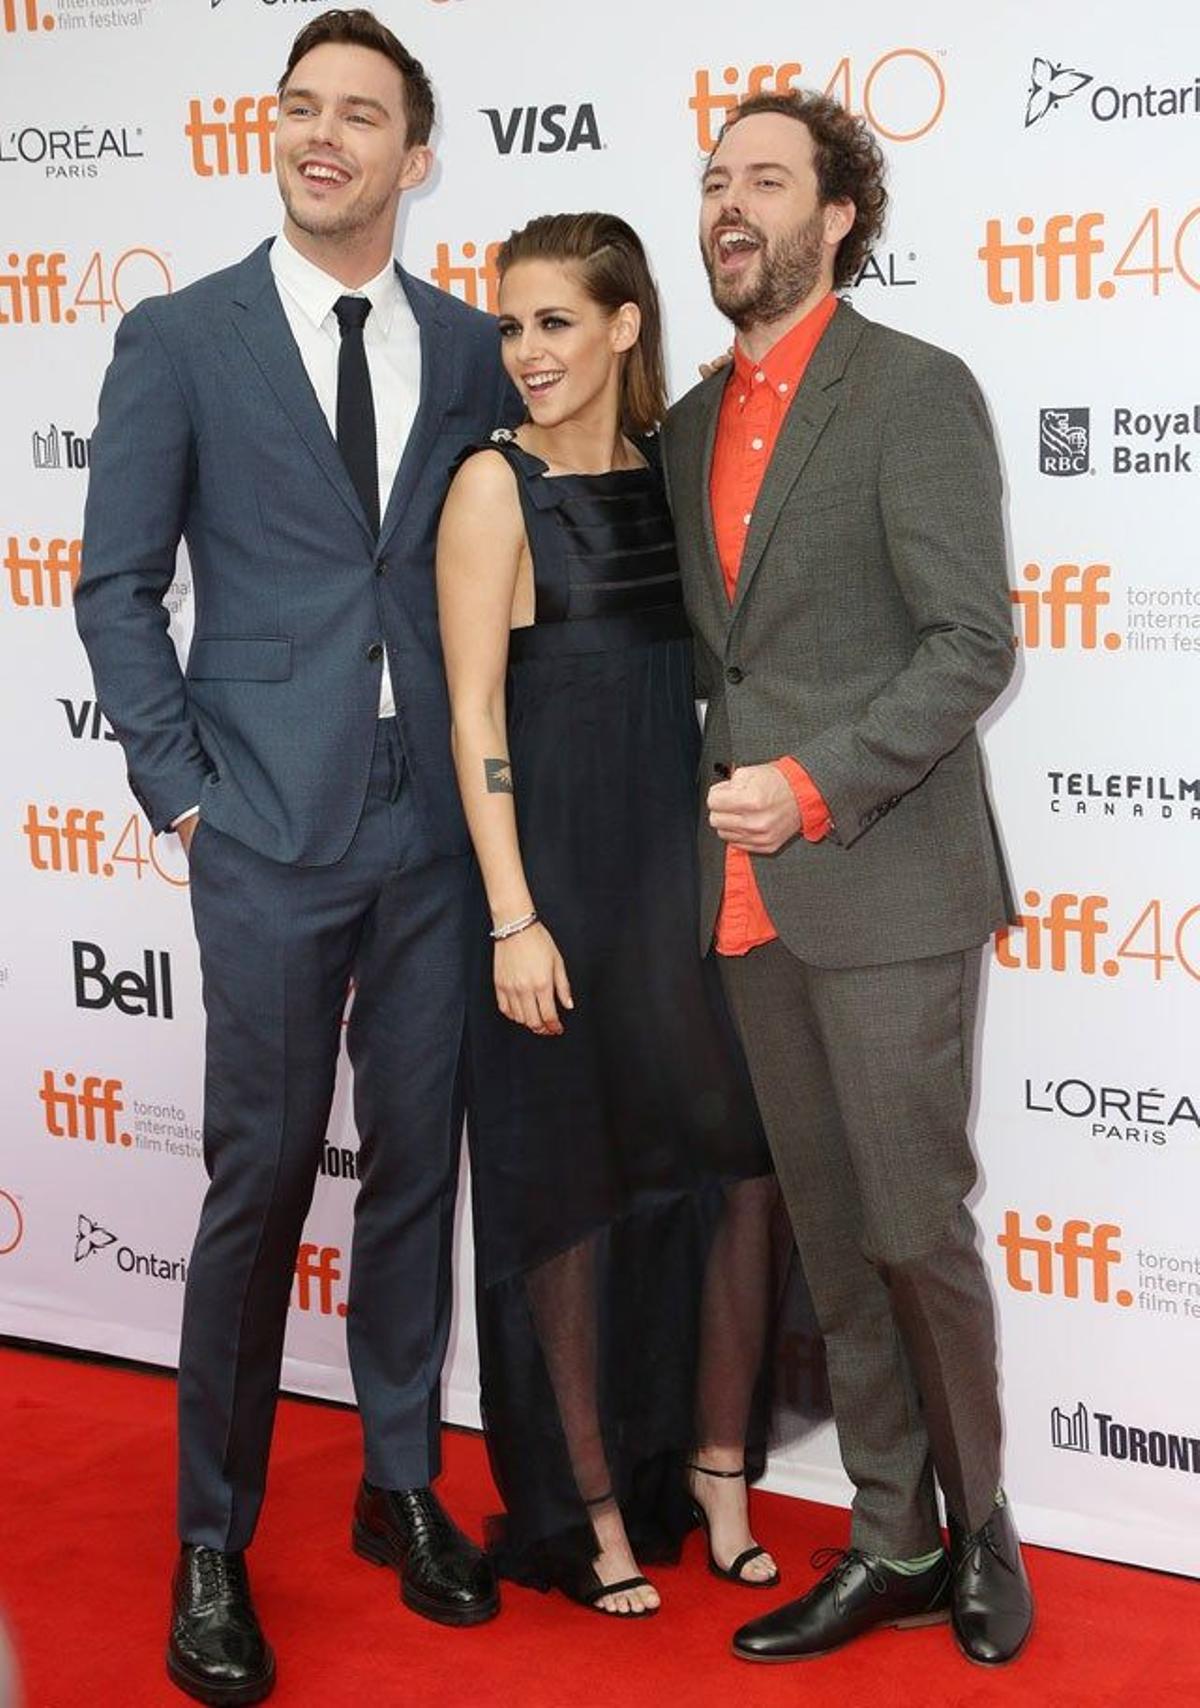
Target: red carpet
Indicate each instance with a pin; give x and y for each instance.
(86, 1544)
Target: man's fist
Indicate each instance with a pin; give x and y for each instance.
(755, 810)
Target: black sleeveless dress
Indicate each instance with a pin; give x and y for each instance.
(606, 1160)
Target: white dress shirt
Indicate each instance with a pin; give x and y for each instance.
(392, 341)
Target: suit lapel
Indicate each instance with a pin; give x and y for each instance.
(814, 403)
(262, 326)
(439, 355)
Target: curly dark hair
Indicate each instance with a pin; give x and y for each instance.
(361, 28)
(848, 162)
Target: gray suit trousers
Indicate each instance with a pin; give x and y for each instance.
(863, 1077)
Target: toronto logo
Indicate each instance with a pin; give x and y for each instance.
(1049, 86)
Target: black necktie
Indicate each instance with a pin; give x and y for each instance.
(356, 407)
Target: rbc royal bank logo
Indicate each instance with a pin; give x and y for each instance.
(1064, 446)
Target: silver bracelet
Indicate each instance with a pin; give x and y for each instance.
(500, 932)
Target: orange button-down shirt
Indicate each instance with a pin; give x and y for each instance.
(757, 397)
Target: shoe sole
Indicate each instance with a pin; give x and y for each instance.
(219, 1695)
(912, 1624)
(378, 1552)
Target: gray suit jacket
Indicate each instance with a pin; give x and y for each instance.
(210, 430)
(870, 629)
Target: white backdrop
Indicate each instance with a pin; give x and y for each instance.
(1046, 225)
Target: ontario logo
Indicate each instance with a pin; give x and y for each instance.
(92, 1239)
(1052, 85)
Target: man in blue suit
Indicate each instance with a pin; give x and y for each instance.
(294, 418)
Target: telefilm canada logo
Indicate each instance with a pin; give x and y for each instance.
(1131, 797)
(1053, 84)
(1085, 1430)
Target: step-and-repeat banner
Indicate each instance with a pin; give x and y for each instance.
(1045, 225)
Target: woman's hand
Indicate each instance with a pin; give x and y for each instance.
(529, 974)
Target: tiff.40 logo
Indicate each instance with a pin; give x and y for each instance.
(1061, 264)
(901, 94)
(1066, 933)
(76, 842)
(41, 575)
(37, 288)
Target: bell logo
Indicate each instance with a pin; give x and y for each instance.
(40, 576)
(1073, 600)
(31, 284)
(316, 1271)
(1065, 237)
(146, 993)
(1069, 919)
(1058, 1266)
(903, 93)
(250, 131)
(89, 1113)
(472, 281)
(24, 15)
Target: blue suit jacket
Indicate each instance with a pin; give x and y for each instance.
(209, 430)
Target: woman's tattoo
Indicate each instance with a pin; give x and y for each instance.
(498, 773)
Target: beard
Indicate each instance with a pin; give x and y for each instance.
(788, 271)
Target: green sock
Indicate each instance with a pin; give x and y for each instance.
(914, 1567)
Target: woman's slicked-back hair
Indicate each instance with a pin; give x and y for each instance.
(607, 256)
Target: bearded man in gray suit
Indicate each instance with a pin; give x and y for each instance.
(837, 500)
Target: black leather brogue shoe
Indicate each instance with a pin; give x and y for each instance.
(216, 1651)
(857, 1594)
(443, 1574)
(990, 1599)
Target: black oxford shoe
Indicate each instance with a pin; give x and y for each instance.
(216, 1651)
(444, 1576)
(991, 1602)
(857, 1594)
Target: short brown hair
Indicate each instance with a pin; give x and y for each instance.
(848, 162)
(363, 29)
(612, 267)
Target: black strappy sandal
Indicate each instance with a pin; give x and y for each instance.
(581, 1583)
(732, 1573)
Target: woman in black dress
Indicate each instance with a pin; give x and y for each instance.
(623, 1199)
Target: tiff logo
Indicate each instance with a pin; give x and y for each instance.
(316, 1271)
(1064, 439)
(1059, 1265)
(24, 15)
(1074, 599)
(1069, 919)
(38, 280)
(463, 278)
(250, 130)
(73, 845)
(1012, 267)
(89, 1113)
(38, 577)
(61, 449)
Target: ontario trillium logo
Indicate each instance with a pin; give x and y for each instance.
(1049, 86)
(90, 1238)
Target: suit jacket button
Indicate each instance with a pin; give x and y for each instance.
(381, 568)
(735, 674)
(374, 653)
